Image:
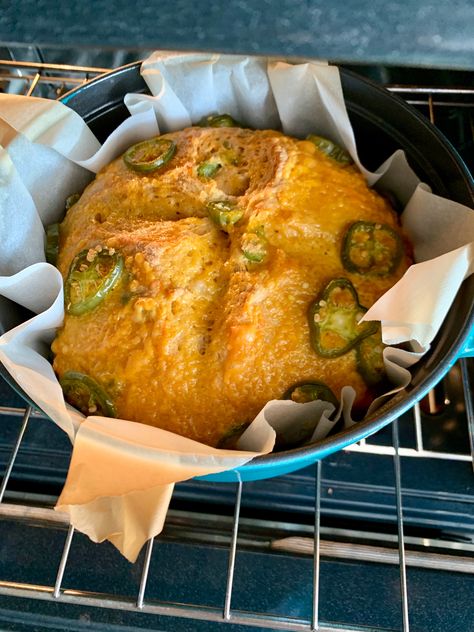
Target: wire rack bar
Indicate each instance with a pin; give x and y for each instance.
(19, 412)
(33, 84)
(418, 428)
(28, 513)
(414, 89)
(401, 542)
(316, 547)
(199, 613)
(431, 108)
(63, 562)
(232, 553)
(372, 448)
(438, 104)
(42, 78)
(145, 573)
(305, 545)
(51, 67)
(376, 554)
(14, 453)
(469, 405)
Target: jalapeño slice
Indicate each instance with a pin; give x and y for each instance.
(370, 248)
(304, 392)
(52, 243)
(369, 355)
(331, 150)
(333, 320)
(229, 440)
(224, 214)
(82, 392)
(208, 169)
(91, 277)
(254, 247)
(71, 200)
(218, 120)
(149, 155)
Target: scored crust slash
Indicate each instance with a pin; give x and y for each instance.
(211, 270)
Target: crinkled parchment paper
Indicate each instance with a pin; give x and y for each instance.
(48, 153)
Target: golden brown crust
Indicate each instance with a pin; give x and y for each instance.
(197, 338)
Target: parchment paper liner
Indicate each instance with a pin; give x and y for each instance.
(46, 149)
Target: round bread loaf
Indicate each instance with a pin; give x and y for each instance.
(200, 288)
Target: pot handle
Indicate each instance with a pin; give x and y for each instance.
(467, 350)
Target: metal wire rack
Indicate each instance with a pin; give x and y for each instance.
(315, 545)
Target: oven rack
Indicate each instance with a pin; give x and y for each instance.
(317, 544)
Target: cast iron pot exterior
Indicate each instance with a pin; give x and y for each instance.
(382, 123)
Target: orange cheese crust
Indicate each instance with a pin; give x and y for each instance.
(196, 338)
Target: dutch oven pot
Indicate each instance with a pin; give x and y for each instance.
(382, 123)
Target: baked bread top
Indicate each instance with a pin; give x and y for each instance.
(221, 279)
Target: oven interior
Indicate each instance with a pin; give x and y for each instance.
(379, 536)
